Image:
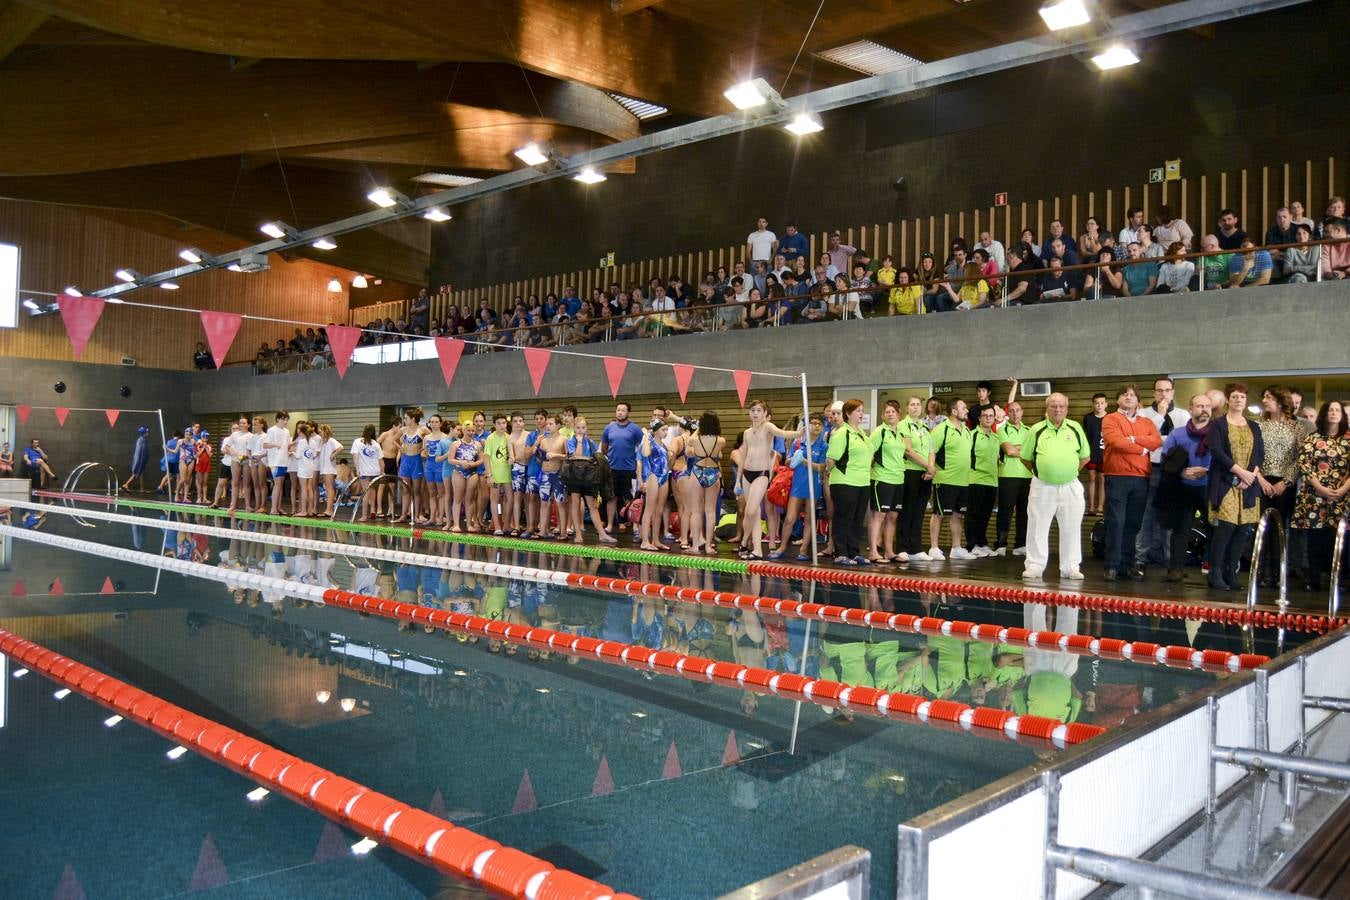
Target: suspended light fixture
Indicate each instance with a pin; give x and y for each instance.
(278, 229)
(323, 696)
(176, 752)
(751, 94)
(588, 175)
(256, 795)
(805, 123)
(436, 214)
(195, 256)
(386, 197)
(324, 243)
(1116, 56)
(360, 282)
(364, 846)
(169, 285)
(62, 694)
(72, 291)
(111, 721)
(531, 154)
(334, 287)
(130, 276)
(1065, 14)
(347, 703)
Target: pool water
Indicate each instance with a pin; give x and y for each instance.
(658, 786)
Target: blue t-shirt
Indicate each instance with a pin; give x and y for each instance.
(32, 456)
(1137, 276)
(573, 304)
(818, 449)
(1262, 263)
(621, 445)
(793, 246)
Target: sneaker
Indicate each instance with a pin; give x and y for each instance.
(862, 560)
(902, 556)
(962, 553)
(1019, 551)
(920, 557)
(844, 561)
(1001, 551)
(981, 552)
(1071, 575)
(1030, 575)
(935, 553)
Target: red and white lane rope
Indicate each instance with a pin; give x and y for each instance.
(429, 839)
(859, 698)
(1082, 644)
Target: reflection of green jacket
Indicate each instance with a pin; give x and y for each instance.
(945, 676)
(981, 662)
(1047, 694)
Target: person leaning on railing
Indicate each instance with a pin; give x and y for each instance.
(1335, 258)
(1176, 272)
(1300, 263)
(1250, 267)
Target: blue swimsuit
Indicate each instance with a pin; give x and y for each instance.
(657, 464)
(433, 469)
(410, 466)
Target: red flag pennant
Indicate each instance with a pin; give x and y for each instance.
(683, 375)
(536, 360)
(107, 586)
(69, 887)
(61, 413)
(732, 754)
(80, 315)
(23, 412)
(210, 871)
(342, 339)
(525, 801)
(57, 589)
(604, 781)
(18, 590)
(331, 844)
(112, 415)
(614, 369)
(448, 351)
(742, 379)
(221, 329)
(672, 767)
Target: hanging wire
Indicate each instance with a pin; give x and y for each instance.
(295, 217)
(805, 38)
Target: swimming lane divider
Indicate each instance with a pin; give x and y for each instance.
(430, 840)
(1228, 615)
(1087, 645)
(911, 708)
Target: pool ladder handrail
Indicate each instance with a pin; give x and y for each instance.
(110, 488)
(382, 477)
(1253, 576)
(1337, 559)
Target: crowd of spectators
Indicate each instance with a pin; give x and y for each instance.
(778, 284)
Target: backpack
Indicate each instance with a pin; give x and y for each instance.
(780, 488)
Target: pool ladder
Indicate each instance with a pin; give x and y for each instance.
(1337, 559)
(1270, 517)
(72, 482)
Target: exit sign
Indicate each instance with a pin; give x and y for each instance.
(1155, 176)
(942, 389)
(1001, 198)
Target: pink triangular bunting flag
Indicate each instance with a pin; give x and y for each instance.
(80, 315)
(210, 871)
(107, 586)
(23, 412)
(57, 589)
(437, 805)
(732, 754)
(69, 887)
(221, 329)
(614, 369)
(672, 767)
(683, 375)
(342, 339)
(448, 351)
(18, 590)
(112, 415)
(536, 360)
(61, 413)
(331, 844)
(742, 379)
(525, 801)
(604, 781)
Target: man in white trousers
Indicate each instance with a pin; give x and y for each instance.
(1055, 450)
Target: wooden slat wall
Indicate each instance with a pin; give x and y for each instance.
(1196, 199)
(60, 246)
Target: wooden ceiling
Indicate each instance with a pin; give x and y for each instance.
(217, 115)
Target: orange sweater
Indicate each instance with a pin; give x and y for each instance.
(1122, 455)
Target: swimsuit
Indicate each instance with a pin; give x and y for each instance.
(467, 451)
(434, 473)
(548, 485)
(706, 476)
(410, 465)
(656, 465)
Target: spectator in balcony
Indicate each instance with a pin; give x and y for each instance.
(802, 267)
(570, 301)
(845, 305)
(1175, 274)
(794, 245)
(551, 306)
(994, 249)
(761, 243)
(861, 288)
(1335, 258)
(1168, 228)
(825, 270)
(1335, 210)
(664, 307)
(1028, 238)
(1134, 217)
(1107, 280)
(1057, 233)
(1213, 269)
(539, 335)
(884, 276)
(1229, 234)
(989, 271)
(297, 343)
(870, 265)
(264, 352)
(1298, 214)
(731, 312)
(1251, 267)
(721, 279)
(1282, 232)
(1300, 263)
(840, 253)
(201, 357)
(1140, 276)
(630, 327)
(419, 313)
(818, 303)
(929, 279)
(1023, 289)
(907, 295)
(1090, 241)
(1056, 285)
(759, 276)
(1067, 256)
(1148, 248)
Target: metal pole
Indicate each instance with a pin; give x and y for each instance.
(1337, 560)
(163, 450)
(1134, 872)
(810, 474)
(1282, 762)
(806, 640)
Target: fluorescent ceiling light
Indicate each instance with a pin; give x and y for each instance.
(192, 255)
(436, 214)
(641, 109)
(111, 721)
(169, 285)
(541, 690)
(334, 287)
(1115, 57)
(868, 57)
(747, 94)
(257, 794)
(234, 267)
(273, 230)
(364, 846)
(359, 282)
(72, 291)
(385, 197)
(128, 275)
(588, 175)
(805, 123)
(62, 694)
(531, 155)
(445, 179)
(19, 673)
(176, 752)
(31, 304)
(324, 243)
(1065, 14)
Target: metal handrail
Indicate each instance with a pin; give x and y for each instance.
(74, 475)
(383, 476)
(1337, 558)
(110, 488)
(1253, 576)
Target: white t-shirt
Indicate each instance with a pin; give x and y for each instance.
(367, 456)
(280, 439)
(761, 245)
(306, 451)
(236, 446)
(327, 455)
(225, 459)
(255, 447)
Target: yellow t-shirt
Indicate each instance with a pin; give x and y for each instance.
(905, 299)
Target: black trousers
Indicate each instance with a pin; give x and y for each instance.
(1125, 495)
(850, 511)
(1012, 497)
(913, 505)
(1284, 504)
(1184, 502)
(979, 507)
(1226, 546)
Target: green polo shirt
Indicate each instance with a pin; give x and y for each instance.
(1012, 466)
(888, 466)
(858, 468)
(1056, 454)
(986, 453)
(951, 441)
(920, 441)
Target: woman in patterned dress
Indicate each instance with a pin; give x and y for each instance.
(1239, 459)
(1324, 470)
(1281, 434)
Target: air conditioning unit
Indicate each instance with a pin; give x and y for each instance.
(253, 262)
(128, 361)
(1035, 389)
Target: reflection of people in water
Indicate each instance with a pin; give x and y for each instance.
(991, 668)
(1048, 690)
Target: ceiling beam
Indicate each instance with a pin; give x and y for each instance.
(624, 7)
(17, 23)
